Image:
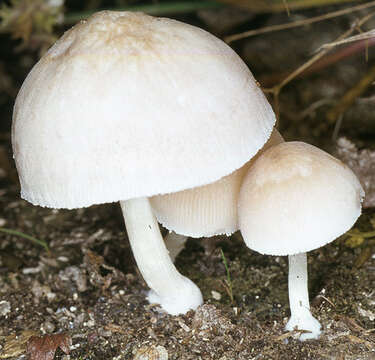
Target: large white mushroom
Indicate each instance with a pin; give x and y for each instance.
(297, 198)
(125, 106)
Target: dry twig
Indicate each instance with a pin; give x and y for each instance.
(363, 36)
(267, 6)
(294, 24)
(277, 88)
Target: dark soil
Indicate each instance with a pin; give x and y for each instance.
(88, 286)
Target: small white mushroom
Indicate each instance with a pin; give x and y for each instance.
(125, 106)
(297, 198)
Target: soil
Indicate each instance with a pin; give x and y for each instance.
(87, 285)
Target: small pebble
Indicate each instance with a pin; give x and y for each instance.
(47, 327)
(89, 323)
(4, 308)
(63, 259)
(216, 295)
(151, 353)
(183, 326)
(35, 270)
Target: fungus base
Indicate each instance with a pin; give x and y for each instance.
(301, 318)
(175, 293)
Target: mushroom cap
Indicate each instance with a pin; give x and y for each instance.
(127, 105)
(297, 198)
(206, 210)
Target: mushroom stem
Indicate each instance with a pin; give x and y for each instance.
(175, 243)
(301, 318)
(175, 293)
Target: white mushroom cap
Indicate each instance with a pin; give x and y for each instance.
(206, 210)
(297, 198)
(126, 105)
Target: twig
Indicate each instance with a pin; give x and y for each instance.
(349, 97)
(277, 88)
(284, 336)
(337, 128)
(324, 62)
(274, 6)
(294, 24)
(327, 300)
(313, 107)
(365, 235)
(25, 236)
(341, 54)
(365, 35)
(155, 9)
(366, 42)
(285, 2)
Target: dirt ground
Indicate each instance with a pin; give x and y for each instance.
(88, 287)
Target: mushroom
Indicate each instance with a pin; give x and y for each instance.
(125, 106)
(205, 210)
(297, 198)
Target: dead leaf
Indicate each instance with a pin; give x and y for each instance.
(94, 263)
(44, 347)
(16, 344)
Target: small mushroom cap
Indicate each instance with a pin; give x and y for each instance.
(297, 198)
(127, 105)
(206, 210)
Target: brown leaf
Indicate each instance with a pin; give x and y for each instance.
(44, 347)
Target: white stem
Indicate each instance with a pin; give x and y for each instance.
(175, 243)
(174, 292)
(301, 317)
(298, 288)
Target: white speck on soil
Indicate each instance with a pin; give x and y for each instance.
(4, 308)
(216, 295)
(151, 353)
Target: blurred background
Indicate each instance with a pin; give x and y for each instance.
(308, 104)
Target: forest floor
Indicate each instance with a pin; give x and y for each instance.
(88, 287)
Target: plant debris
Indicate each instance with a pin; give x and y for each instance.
(151, 353)
(44, 347)
(16, 344)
